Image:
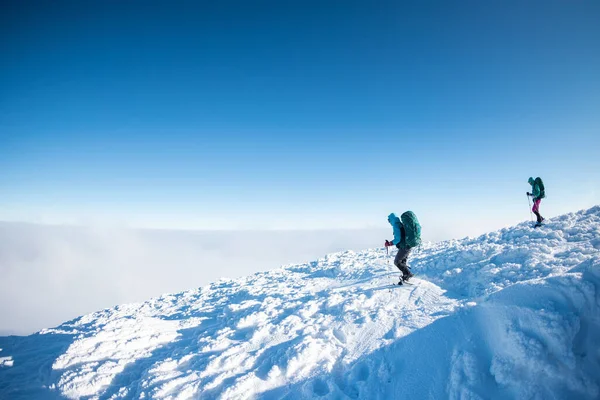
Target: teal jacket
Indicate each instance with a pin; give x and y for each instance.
(399, 237)
(536, 191)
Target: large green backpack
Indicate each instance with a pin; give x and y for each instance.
(540, 183)
(412, 228)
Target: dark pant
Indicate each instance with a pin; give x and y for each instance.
(401, 259)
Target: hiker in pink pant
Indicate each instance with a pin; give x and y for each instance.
(538, 192)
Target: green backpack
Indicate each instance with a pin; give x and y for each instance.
(412, 228)
(540, 183)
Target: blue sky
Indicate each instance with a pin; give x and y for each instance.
(300, 114)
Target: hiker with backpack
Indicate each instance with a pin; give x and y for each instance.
(407, 234)
(538, 192)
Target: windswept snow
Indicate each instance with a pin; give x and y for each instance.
(249, 335)
(5, 361)
(480, 266)
(510, 314)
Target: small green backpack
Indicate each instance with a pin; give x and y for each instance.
(412, 228)
(540, 183)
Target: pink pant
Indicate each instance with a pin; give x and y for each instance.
(536, 205)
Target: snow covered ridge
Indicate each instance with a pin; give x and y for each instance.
(510, 314)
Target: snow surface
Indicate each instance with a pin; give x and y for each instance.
(6, 361)
(510, 314)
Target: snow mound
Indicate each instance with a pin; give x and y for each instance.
(511, 314)
(6, 361)
(483, 265)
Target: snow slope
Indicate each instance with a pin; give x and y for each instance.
(510, 314)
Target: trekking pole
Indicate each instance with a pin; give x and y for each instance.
(387, 255)
(530, 213)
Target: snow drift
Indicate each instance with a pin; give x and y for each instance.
(510, 314)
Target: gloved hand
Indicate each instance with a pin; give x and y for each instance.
(388, 243)
(528, 194)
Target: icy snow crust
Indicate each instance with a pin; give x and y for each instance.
(510, 314)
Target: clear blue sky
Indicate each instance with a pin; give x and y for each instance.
(296, 114)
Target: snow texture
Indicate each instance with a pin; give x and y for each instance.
(510, 314)
(6, 361)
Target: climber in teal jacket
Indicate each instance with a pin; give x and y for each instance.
(399, 241)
